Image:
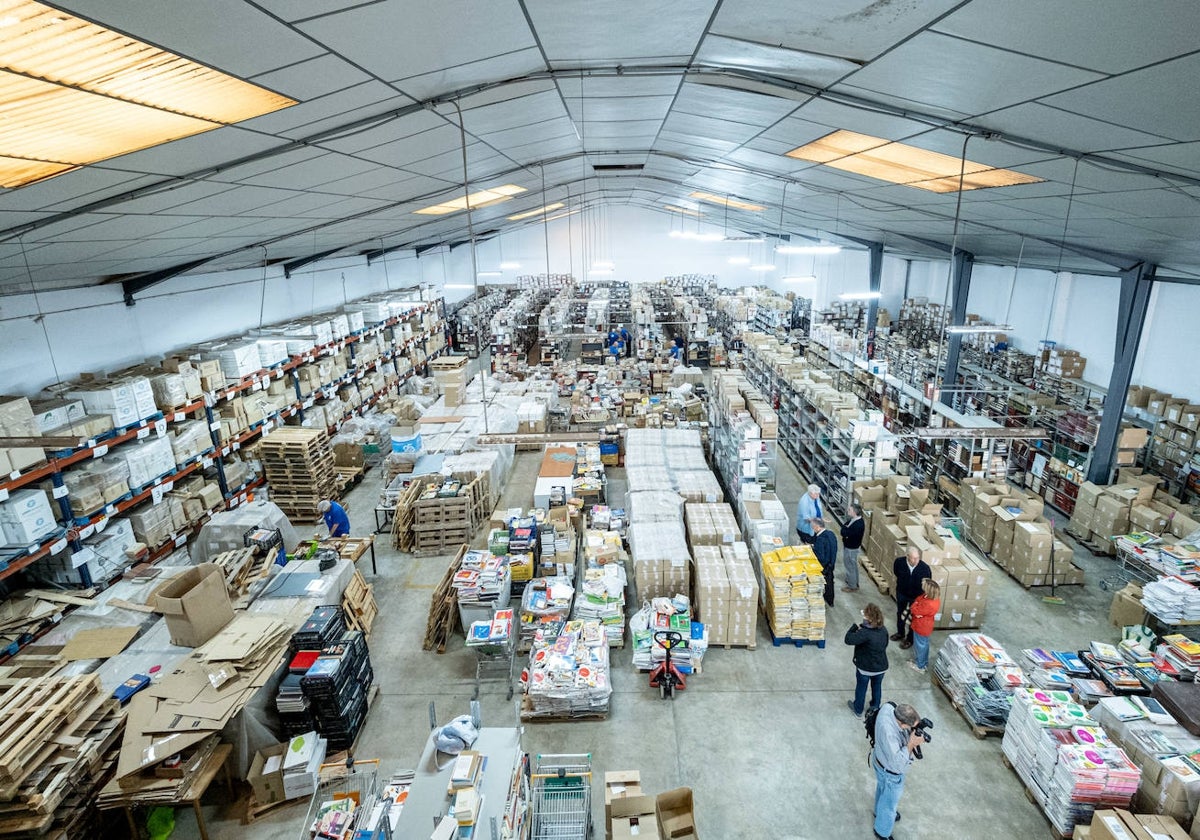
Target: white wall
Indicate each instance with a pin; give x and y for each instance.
(92, 329)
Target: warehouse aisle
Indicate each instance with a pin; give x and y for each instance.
(763, 736)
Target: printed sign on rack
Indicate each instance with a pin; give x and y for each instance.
(143, 433)
(100, 450)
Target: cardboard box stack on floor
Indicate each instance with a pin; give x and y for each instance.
(899, 516)
(630, 813)
(726, 593)
(1009, 525)
(1134, 503)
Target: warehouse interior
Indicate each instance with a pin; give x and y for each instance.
(940, 258)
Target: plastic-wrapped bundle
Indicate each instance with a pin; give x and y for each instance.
(654, 506)
(639, 476)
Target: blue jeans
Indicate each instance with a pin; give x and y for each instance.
(921, 648)
(860, 691)
(888, 788)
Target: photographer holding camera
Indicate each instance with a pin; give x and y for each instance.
(899, 734)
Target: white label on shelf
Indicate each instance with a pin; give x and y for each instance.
(143, 433)
(168, 486)
(265, 382)
(224, 450)
(3, 494)
(58, 545)
(102, 522)
(180, 540)
(178, 417)
(14, 475)
(256, 386)
(100, 450)
(156, 495)
(237, 445)
(59, 492)
(86, 531)
(83, 555)
(214, 426)
(266, 429)
(279, 373)
(309, 403)
(206, 462)
(160, 427)
(209, 400)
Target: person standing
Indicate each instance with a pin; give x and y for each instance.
(910, 570)
(807, 509)
(825, 547)
(627, 340)
(852, 537)
(922, 613)
(891, 757)
(870, 640)
(335, 518)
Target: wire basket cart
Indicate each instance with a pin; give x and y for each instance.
(494, 662)
(562, 797)
(357, 781)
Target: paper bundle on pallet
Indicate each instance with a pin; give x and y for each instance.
(568, 674)
(979, 676)
(601, 594)
(545, 606)
(795, 590)
(1065, 759)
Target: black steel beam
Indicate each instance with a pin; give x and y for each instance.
(293, 265)
(145, 281)
(962, 263)
(1134, 303)
(875, 278)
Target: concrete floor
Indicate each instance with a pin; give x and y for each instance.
(762, 736)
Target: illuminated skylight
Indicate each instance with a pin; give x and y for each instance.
(483, 198)
(687, 211)
(726, 202)
(529, 214)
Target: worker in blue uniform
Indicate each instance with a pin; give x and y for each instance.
(335, 518)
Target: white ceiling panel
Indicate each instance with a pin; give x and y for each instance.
(312, 173)
(294, 10)
(811, 68)
(1108, 36)
(628, 128)
(386, 132)
(512, 65)
(246, 42)
(406, 150)
(330, 112)
(576, 31)
(268, 164)
(398, 40)
(500, 93)
(733, 105)
(709, 128)
(235, 201)
(88, 183)
(313, 78)
(684, 143)
(197, 153)
(855, 29)
(964, 76)
(1145, 99)
(631, 84)
(527, 110)
(120, 228)
(618, 108)
(1062, 128)
(1183, 157)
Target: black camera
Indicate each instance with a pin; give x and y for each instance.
(922, 729)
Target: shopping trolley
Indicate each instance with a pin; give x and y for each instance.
(494, 661)
(358, 782)
(562, 797)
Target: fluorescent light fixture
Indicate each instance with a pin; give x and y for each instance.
(74, 93)
(726, 202)
(859, 295)
(762, 267)
(482, 198)
(509, 266)
(676, 234)
(604, 264)
(977, 329)
(458, 286)
(749, 240)
(529, 214)
(600, 272)
(698, 237)
(799, 278)
(899, 163)
(490, 274)
(817, 250)
(687, 211)
(739, 261)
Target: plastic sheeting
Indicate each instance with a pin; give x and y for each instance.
(225, 530)
(654, 506)
(665, 542)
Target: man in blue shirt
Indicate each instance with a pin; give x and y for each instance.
(890, 759)
(627, 340)
(807, 510)
(335, 518)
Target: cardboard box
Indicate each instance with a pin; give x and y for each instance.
(195, 604)
(676, 814)
(1116, 825)
(621, 784)
(268, 785)
(1127, 606)
(633, 818)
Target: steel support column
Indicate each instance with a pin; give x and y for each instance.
(875, 278)
(1136, 284)
(962, 262)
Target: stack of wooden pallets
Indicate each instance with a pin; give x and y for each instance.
(358, 604)
(299, 469)
(59, 738)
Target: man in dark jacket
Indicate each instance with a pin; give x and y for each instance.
(852, 537)
(910, 571)
(826, 548)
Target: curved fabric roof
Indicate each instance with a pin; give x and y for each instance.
(669, 98)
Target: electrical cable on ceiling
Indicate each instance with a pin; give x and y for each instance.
(387, 279)
(1013, 287)
(462, 132)
(1062, 243)
(40, 319)
(262, 301)
(950, 278)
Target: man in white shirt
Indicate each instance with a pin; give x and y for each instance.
(895, 742)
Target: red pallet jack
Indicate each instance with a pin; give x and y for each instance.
(665, 676)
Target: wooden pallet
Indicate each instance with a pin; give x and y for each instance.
(980, 732)
(443, 608)
(358, 604)
(874, 574)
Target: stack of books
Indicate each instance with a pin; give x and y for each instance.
(1045, 671)
(602, 598)
(978, 673)
(795, 588)
(1181, 653)
(568, 674)
(1172, 600)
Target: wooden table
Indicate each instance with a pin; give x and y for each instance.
(214, 764)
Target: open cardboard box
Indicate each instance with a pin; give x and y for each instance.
(677, 814)
(634, 818)
(195, 603)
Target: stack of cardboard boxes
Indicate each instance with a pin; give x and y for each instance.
(1060, 361)
(450, 373)
(726, 594)
(17, 420)
(631, 813)
(1008, 524)
(1134, 503)
(899, 516)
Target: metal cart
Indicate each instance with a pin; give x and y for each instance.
(357, 781)
(494, 661)
(562, 797)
